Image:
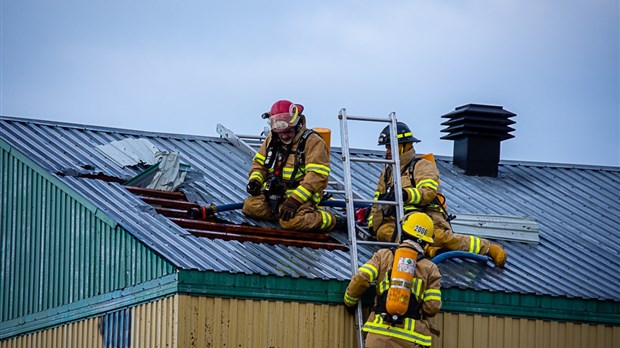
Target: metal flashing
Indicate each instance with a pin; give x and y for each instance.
(499, 227)
(92, 307)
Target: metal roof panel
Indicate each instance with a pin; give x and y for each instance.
(576, 207)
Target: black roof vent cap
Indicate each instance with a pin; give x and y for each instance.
(477, 131)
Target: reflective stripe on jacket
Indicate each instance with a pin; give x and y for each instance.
(421, 193)
(311, 178)
(426, 289)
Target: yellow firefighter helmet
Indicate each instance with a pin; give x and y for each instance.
(419, 226)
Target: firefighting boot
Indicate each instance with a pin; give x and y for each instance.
(497, 254)
(431, 251)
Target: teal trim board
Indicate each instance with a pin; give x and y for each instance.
(258, 287)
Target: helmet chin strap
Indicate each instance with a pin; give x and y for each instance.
(404, 147)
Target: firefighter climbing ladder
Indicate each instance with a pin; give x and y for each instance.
(349, 195)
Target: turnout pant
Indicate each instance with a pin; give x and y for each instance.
(307, 218)
(443, 238)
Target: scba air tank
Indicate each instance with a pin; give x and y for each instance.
(403, 270)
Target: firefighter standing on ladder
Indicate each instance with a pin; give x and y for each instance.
(289, 173)
(420, 182)
(400, 319)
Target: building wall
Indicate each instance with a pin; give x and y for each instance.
(192, 321)
(59, 251)
(477, 331)
(147, 325)
(217, 322)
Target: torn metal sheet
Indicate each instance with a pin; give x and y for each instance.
(130, 151)
(166, 175)
(169, 175)
(514, 228)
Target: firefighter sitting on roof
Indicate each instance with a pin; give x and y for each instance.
(289, 173)
(420, 182)
(408, 289)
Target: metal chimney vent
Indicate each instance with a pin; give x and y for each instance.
(477, 131)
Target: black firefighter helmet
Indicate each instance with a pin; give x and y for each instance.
(402, 132)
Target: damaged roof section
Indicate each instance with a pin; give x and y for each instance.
(166, 175)
(174, 206)
(164, 172)
(130, 151)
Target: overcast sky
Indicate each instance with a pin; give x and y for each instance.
(185, 66)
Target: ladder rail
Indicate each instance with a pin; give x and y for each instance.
(348, 186)
(396, 181)
(344, 131)
(350, 200)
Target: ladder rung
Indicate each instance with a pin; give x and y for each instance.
(342, 192)
(365, 118)
(372, 201)
(251, 137)
(371, 160)
(374, 242)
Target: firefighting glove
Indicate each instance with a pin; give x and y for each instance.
(405, 196)
(351, 310)
(253, 187)
(288, 208)
(389, 196)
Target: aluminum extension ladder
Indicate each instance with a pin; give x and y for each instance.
(349, 195)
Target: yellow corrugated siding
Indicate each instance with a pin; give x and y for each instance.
(191, 321)
(216, 322)
(477, 331)
(81, 334)
(152, 325)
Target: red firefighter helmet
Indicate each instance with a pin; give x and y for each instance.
(284, 115)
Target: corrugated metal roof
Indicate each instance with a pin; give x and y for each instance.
(577, 209)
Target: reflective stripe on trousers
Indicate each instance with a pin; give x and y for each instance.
(407, 333)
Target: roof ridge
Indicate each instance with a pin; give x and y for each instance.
(109, 129)
(446, 158)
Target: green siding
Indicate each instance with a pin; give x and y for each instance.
(91, 307)
(454, 300)
(531, 306)
(57, 248)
